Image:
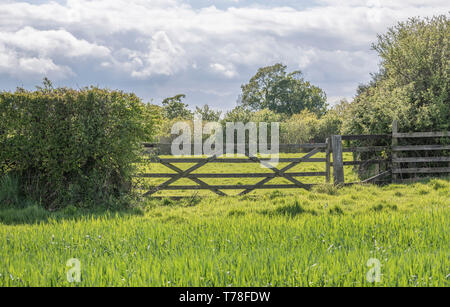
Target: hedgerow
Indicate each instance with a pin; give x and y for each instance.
(70, 146)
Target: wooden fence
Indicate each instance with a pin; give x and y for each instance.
(429, 159)
(262, 184)
(373, 153)
(382, 154)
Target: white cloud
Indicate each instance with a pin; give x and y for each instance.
(20, 66)
(170, 44)
(51, 43)
(226, 70)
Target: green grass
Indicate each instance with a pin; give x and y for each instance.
(297, 238)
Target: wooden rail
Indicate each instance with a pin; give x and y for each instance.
(362, 164)
(262, 184)
(408, 165)
(391, 162)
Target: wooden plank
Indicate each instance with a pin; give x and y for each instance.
(240, 175)
(302, 146)
(366, 137)
(207, 186)
(328, 161)
(421, 159)
(365, 149)
(394, 143)
(374, 178)
(281, 147)
(196, 180)
(278, 172)
(233, 160)
(367, 162)
(235, 187)
(422, 134)
(421, 147)
(180, 175)
(431, 170)
(338, 166)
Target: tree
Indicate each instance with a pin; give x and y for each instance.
(208, 114)
(413, 83)
(175, 108)
(286, 93)
(238, 114)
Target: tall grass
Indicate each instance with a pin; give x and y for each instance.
(318, 238)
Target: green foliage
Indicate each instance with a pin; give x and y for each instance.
(208, 114)
(413, 83)
(174, 108)
(9, 191)
(286, 93)
(300, 128)
(331, 123)
(266, 116)
(374, 111)
(71, 146)
(238, 114)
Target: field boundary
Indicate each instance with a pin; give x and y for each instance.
(385, 157)
(262, 184)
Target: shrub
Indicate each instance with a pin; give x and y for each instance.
(70, 146)
(412, 86)
(9, 191)
(300, 128)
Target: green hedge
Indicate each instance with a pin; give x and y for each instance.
(71, 146)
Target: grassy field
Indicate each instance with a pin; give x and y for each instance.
(324, 237)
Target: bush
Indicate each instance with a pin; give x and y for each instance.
(412, 86)
(70, 146)
(9, 191)
(300, 128)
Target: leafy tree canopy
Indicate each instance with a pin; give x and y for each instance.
(175, 108)
(413, 83)
(286, 93)
(208, 114)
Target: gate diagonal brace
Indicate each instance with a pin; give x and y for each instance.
(182, 174)
(196, 180)
(280, 173)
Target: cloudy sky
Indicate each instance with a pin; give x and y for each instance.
(204, 49)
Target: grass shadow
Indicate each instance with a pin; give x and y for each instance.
(35, 214)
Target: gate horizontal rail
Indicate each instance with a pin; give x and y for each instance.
(383, 157)
(240, 175)
(235, 187)
(274, 172)
(231, 160)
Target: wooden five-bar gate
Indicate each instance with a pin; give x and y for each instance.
(262, 184)
(383, 156)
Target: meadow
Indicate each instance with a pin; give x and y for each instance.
(323, 237)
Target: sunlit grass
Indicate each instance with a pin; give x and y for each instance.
(295, 238)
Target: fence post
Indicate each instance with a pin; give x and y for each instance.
(394, 153)
(328, 162)
(338, 160)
